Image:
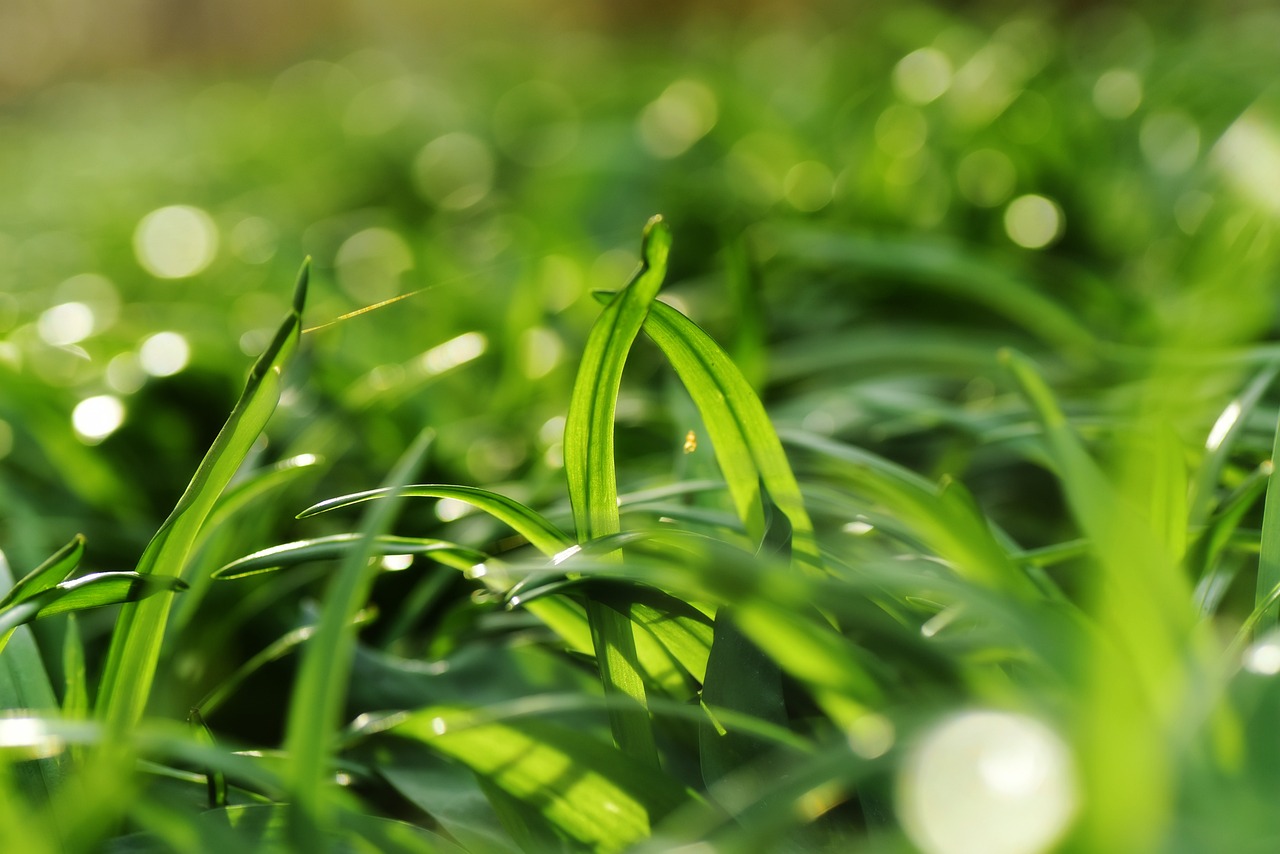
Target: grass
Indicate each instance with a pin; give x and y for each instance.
(843, 523)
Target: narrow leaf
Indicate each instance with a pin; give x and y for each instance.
(317, 698)
(593, 487)
(135, 643)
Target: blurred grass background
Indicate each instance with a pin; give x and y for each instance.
(867, 202)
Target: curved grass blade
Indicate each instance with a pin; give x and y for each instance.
(746, 445)
(339, 545)
(87, 591)
(1221, 441)
(316, 702)
(275, 651)
(135, 643)
(544, 536)
(944, 520)
(57, 567)
(593, 486)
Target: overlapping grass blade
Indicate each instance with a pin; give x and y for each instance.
(746, 445)
(944, 520)
(25, 684)
(1221, 441)
(316, 701)
(88, 591)
(542, 534)
(581, 786)
(58, 567)
(338, 545)
(593, 486)
(135, 643)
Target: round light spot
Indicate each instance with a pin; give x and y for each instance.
(96, 418)
(901, 131)
(922, 75)
(683, 114)
(253, 240)
(164, 354)
(125, 374)
(176, 242)
(1263, 657)
(1170, 142)
(808, 186)
(993, 782)
(541, 350)
(986, 177)
(65, 324)
(369, 264)
(454, 171)
(1033, 222)
(1117, 93)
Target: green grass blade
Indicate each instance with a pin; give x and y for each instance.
(56, 568)
(1222, 441)
(339, 545)
(944, 520)
(24, 684)
(75, 698)
(581, 786)
(135, 643)
(87, 591)
(316, 702)
(746, 445)
(593, 486)
(1269, 556)
(544, 536)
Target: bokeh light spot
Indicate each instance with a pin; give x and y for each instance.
(1032, 221)
(164, 354)
(369, 264)
(986, 781)
(65, 324)
(253, 240)
(809, 186)
(922, 75)
(96, 418)
(176, 242)
(683, 114)
(901, 131)
(454, 171)
(986, 177)
(1170, 142)
(1117, 93)
(541, 350)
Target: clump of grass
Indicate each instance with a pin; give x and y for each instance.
(814, 647)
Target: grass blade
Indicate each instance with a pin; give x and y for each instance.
(746, 445)
(58, 567)
(88, 591)
(339, 545)
(593, 486)
(581, 786)
(135, 643)
(1269, 557)
(316, 701)
(544, 536)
